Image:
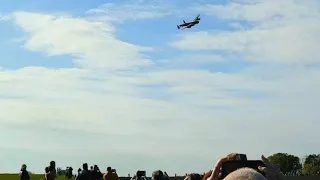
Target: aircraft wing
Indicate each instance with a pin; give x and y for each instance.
(196, 18)
(189, 26)
(185, 24)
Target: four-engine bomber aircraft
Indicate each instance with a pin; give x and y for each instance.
(189, 24)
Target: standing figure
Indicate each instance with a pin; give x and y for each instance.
(24, 174)
(53, 169)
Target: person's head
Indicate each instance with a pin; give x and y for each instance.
(23, 167)
(157, 175)
(109, 169)
(46, 169)
(140, 174)
(85, 166)
(51, 168)
(53, 164)
(193, 176)
(91, 167)
(245, 174)
(95, 167)
(79, 170)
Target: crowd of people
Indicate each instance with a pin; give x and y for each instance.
(266, 172)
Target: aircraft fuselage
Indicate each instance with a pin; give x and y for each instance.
(190, 23)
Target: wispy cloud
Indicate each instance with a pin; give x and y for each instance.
(135, 11)
(98, 48)
(193, 59)
(4, 17)
(276, 34)
(260, 11)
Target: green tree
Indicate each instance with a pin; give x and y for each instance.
(311, 165)
(287, 163)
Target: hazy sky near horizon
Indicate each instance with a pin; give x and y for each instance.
(116, 83)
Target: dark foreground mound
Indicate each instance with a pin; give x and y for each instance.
(40, 176)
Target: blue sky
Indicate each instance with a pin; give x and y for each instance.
(116, 83)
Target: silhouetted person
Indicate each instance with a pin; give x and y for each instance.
(53, 167)
(85, 173)
(96, 174)
(69, 172)
(78, 174)
(140, 175)
(157, 175)
(110, 174)
(24, 174)
(50, 175)
(46, 171)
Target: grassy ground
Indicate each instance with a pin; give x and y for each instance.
(32, 177)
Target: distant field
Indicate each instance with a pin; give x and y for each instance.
(32, 177)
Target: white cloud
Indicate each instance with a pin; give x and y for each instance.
(4, 17)
(116, 106)
(196, 113)
(191, 60)
(282, 31)
(56, 35)
(135, 11)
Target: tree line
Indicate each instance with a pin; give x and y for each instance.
(292, 165)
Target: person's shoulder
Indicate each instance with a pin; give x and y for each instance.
(114, 176)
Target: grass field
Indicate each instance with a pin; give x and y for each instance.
(32, 177)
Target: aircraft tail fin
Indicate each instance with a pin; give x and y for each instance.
(184, 21)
